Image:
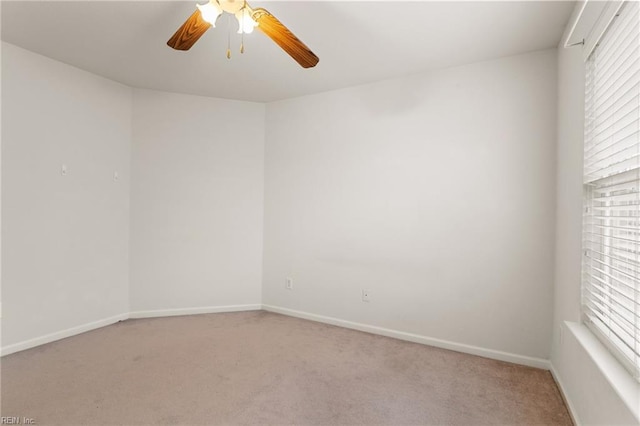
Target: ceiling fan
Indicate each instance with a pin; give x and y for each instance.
(207, 14)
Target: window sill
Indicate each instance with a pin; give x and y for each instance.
(627, 388)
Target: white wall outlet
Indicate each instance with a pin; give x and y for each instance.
(64, 170)
(289, 283)
(366, 295)
(116, 175)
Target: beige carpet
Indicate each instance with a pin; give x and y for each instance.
(264, 368)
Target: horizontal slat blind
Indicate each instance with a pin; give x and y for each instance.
(611, 223)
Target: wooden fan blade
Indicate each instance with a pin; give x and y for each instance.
(189, 32)
(269, 24)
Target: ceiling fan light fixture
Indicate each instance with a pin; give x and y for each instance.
(246, 24)
(248, 19)
(210, 12)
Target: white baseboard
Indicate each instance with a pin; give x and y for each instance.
(48, 338)
(416, 338)
(430, 341)
(565, 397)
(194, 311)
(28, 344)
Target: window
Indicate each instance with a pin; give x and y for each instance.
(611, 224)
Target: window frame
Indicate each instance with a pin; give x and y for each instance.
(633, 365)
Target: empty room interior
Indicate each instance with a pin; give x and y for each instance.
(320, 212)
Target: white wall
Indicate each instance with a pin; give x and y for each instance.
(65, 238)
(196, 202)
(592, 396)
(435, 191)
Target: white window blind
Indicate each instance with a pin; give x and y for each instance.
(611, 223)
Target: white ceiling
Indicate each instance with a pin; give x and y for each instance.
(357, 42)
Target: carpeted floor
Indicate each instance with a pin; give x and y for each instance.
(263, 368)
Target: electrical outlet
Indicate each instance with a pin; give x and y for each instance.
(366, 295)
(289, 284)
(64, 170)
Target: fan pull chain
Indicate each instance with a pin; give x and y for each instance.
(242, 31)
(228, 37)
